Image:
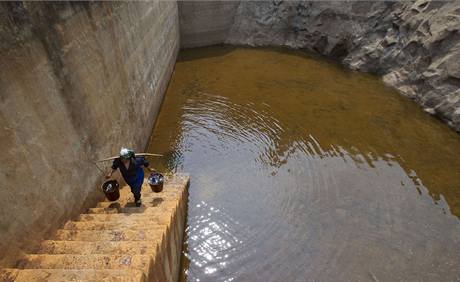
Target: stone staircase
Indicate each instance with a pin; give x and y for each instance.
(115, 241)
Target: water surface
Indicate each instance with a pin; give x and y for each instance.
(302, 170)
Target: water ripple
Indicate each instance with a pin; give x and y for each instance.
(300, 177)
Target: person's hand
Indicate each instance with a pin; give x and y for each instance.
(152, 170)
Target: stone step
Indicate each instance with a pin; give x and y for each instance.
(127, 224)
(102, 210)
(169, 191)
(120, 262)
(146, 202)
(98, 247)
(115, 241)
(167, 188)
(166, 205)
(150, 234)
(164, 194)
(39, 275)
(126, 194)
(126, 213)
(117, 219)
(130, 210)
(146, 190)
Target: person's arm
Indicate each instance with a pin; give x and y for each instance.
(146, 164)
(114, 167)
(109, 175)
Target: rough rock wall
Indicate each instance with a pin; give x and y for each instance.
(414, 45)
(77, 81)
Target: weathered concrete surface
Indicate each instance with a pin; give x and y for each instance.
(414, 45)
(115, 242)
(77, 81)
(205, 22)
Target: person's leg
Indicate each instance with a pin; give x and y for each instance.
(136, 190)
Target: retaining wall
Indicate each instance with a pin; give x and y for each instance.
(77, 81)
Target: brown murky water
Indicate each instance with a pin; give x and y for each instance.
(303, 171)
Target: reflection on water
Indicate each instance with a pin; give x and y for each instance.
(304, 171)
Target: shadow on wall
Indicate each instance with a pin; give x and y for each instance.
(210, 53)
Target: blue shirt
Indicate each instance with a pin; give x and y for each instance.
(134, 174)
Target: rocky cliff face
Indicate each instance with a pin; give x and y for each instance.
(77, 81)
(413, 45)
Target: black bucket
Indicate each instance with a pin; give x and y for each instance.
(155, 181)
(111, 189)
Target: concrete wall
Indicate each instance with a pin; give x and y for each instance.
(413, 45)
(204, 23)
(77, 81)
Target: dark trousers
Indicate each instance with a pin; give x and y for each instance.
(136, 190)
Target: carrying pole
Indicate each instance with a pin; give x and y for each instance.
(136, 154)
(100, 169)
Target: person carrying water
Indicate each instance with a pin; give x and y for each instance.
(132, 170)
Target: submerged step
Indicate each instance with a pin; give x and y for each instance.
(38, 275)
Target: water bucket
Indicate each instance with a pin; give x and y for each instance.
(111, 189)
(155, 181)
